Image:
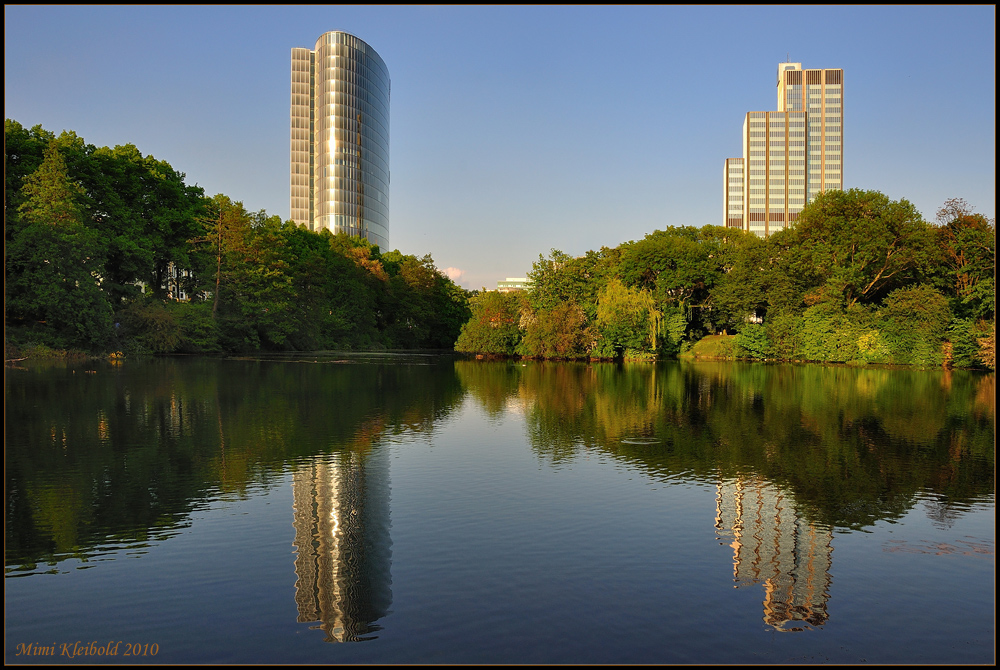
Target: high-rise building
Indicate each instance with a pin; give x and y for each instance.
(789, 155)
(734, 185)
(340, 138)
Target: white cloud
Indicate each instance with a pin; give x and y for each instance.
(454, 274)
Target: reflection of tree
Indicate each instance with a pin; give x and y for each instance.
(853, 445)
(342, 543)
(492, 384)
(773, 546)
(97, 453)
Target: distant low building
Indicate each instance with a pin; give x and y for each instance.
(513, 284)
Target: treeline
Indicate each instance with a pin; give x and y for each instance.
(101, 243)
(858, 279)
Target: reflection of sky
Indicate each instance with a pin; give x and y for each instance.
(774, 547)
(343, 555)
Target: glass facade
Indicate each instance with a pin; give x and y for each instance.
(340, 138)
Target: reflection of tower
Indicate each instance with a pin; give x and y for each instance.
(771, 544)
(341, 506)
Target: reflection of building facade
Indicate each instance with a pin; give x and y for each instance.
(772, 546)
(342, 567)
(340, 138)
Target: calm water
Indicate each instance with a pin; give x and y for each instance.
(414, 509)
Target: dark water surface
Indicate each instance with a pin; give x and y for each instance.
(419, 509)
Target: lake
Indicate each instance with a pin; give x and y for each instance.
(383, 508)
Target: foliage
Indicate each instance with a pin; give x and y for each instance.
(973, 343)
(96, 231)
(834, 334)
(559, 332)
(627, 321)
(147, 325)
(494, 327)
(752, 341)
(199, 332)
(53, 262)
(561, 279)
(915, 322)
(859, 245)
(968, 241)
(98, 239)
(675, 326)
(988, 344)
(784, 333)
(674, 264)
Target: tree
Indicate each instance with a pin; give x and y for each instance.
(144, 213)
(747, 275)
(915, 321)
(627, 320)
(244, 269)
(53, 261)
(494, 327)
(560, 332)
(859, 245)
(968, 241)
(23, 152)
(672, 263)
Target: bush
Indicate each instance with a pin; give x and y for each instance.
(147, 325)
(494, 327)
(199, 333)
(914, 321)
(784, 332)
(752, 342)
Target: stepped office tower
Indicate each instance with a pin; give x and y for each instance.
(340, 138)
(790, 155)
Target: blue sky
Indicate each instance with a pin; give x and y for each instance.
(515, 130)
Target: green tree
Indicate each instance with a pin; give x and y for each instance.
(752, 341)
(23, 150)
(244, 268)
(145, 214)
(53, 261)
(859, 245)
(748, 275)
(140, 208)
(675, 264)
(560, 332)
(494, 327)
(628, 321)
(969, 244)
(915, 322)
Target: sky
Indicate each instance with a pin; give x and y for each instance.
(516, 130)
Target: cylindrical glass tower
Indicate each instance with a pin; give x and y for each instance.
(340, 138)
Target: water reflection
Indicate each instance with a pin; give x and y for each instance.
(100, 457)
(104, 456)
(772, 545)
(794, 451)
(853, 446)
(342, 543)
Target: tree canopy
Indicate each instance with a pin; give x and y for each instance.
(108, 249)
(860, 278)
